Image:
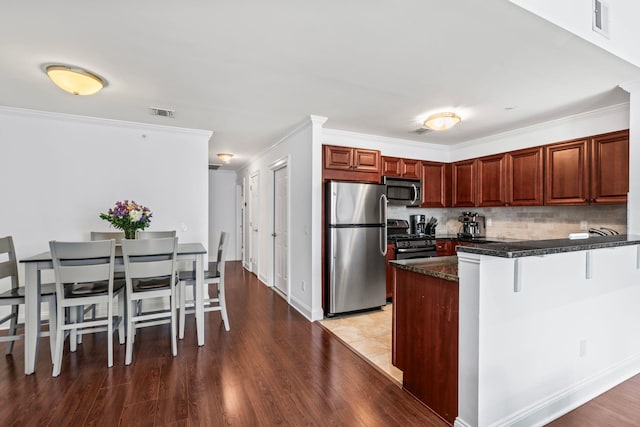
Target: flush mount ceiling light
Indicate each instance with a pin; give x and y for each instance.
(75, 80)
(442, 121)
(225, 157)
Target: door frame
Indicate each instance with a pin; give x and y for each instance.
(253, 243)
(283, 162)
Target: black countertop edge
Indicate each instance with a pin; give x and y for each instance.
(445, 267)
(546, 247)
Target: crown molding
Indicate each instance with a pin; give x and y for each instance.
(334, 133)
(23, 112)
(617, 108)
(630, 86)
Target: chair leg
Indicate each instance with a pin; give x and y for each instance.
(13, 327)
(57, 360)
(223, 305)
(122, 316)
(109, 333)
(130, 314)
(73, 333)
(174, 343)
(53, 325)
(182, 310)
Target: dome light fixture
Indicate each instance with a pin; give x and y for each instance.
(225, 157)
(442, 121)
(75, 80)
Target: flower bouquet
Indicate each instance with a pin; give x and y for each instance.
(128, 216)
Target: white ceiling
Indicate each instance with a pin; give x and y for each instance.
(251, 70)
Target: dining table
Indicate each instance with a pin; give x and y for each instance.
(34, 265)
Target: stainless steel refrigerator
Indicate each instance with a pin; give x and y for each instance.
(356, 243)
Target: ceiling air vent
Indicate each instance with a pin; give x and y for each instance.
(600, 22)
(163, 112)
(214, 167)
(420, 130)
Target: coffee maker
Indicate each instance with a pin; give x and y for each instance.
(417, 224)
(473, 226)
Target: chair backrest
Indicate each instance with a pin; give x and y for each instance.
(8, 268)
(82, 262)
(108, 235)
(149, 258)
(143, 235)
(222, 254)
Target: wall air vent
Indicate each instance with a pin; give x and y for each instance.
(214, 167)
(600, 18)
(163, 112)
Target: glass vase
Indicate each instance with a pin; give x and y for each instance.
(130, 233)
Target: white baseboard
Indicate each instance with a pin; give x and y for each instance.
(301, 307)
(558, 404)
(460, 423)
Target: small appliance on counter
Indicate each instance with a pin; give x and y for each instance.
(420, 225)
(472, 227)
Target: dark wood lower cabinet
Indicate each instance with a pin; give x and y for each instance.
(425, 339)
(391, 255)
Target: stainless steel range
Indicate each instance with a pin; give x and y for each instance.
(408, 246)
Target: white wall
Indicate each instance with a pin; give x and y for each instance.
(59, 172)
(575, 16)
(633, 205)
(222, 211)
(297, 149)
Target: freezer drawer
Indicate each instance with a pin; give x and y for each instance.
(357, 269)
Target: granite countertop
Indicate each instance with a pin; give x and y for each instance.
(526, 248)
(444, 267)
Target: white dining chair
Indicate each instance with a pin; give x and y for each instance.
(150, 273)
(140, 234)
(108, 235)
(84, 276)
(213, 275)
(14, 297)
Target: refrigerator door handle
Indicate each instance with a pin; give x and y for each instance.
(332, 269)
(383, 221)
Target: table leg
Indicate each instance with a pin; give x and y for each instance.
(199, 299)
(32, 317)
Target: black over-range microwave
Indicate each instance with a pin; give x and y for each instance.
(403, 192)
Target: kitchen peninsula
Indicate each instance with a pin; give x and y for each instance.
(530, 330)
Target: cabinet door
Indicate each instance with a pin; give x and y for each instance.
(610, 168)
(411, 168)
(566, 173)
(391, 255)
(445, 247)
(524, 177)
(366, 160)
(340, 158)
(491, 181)
(391, 166)
(464, 183)
(436, 185)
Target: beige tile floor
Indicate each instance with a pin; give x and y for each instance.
(369, 334)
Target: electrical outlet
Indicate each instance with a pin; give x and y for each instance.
(584, 225)
(489, 222)
(302, 285)
(583, 348)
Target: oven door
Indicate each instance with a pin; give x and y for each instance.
(412, 253)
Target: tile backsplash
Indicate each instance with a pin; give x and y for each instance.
(533, 222)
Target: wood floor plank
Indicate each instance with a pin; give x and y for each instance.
(273, 368)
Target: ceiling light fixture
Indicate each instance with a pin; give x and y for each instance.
(442, 121)
(225, 157)
(75, 80)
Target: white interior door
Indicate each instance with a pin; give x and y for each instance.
(280, 230)
(254, 208)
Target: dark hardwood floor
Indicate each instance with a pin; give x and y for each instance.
(273, 368)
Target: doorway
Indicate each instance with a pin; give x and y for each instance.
(281, 229)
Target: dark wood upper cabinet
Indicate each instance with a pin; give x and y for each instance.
(436, 185)
(524, 177)
(351, 164)
(566, 173)
(610, 168)
(464, 180)
(492, 180)
(398, 167)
